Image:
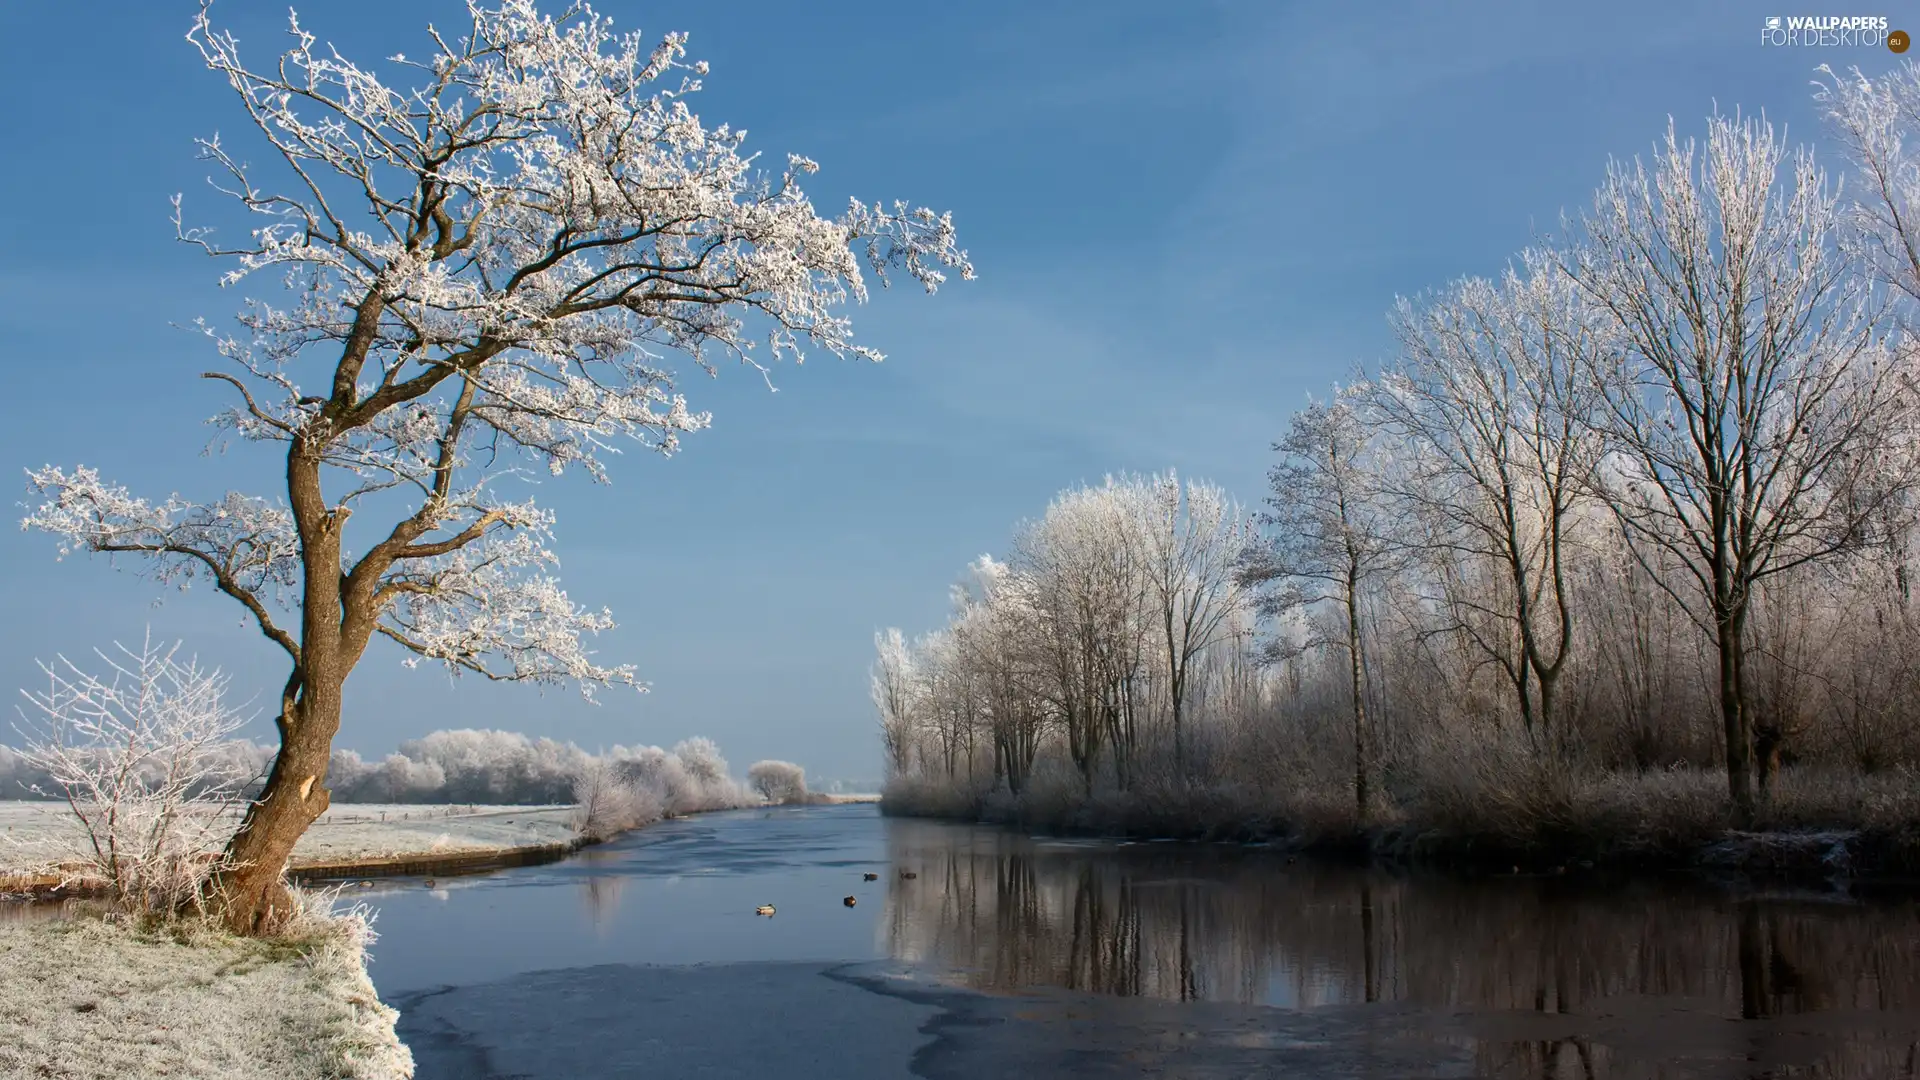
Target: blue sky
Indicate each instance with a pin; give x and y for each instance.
(1185, 217)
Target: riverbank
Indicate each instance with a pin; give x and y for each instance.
(1814, 827)
(89, 998)
(350, 840)
(185, 1000)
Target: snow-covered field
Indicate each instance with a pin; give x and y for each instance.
(84, 999)
(347, 831)
(367, 831)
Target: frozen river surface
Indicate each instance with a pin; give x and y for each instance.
(1004, 955)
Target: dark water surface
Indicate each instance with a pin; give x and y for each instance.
(1010, 955)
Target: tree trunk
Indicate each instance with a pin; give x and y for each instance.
(1179, 728)
(1547, 680)
(250, 894)
(1733, 716)
(1359, 692)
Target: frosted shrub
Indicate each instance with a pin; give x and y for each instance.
(607, 803)
(142, 759)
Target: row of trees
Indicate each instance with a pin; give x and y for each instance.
(1101, 629)
(456, 766)
(1644, 498)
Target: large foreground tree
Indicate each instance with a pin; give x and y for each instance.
(482, 271)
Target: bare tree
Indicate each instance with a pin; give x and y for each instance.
(1082, 562)
(1751, 392)
(1328, 536)
(1877, 121)
(891, 684)
(486, 267)
(1193, 542)
(136, 757)
(604, 803)
(995, 624)
(1489, 397)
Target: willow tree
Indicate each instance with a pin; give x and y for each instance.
(483, 270)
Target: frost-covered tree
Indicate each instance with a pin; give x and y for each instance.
(1751, 401)
(778, 781)
(1194, 540)
(1489, 398)
(891, 684)
(984, 671)
(1081, 563)
(482, 268)
(605, 803)
(1329, 533)
(1878, 121)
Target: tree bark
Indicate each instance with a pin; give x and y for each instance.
(250, 893)
(1733, 717)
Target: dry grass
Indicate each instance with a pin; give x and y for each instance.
(92, 998)
(1489, 802)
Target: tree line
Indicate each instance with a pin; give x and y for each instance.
(1636, 510)
(471, 766)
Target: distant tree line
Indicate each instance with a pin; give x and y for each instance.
(1633, 514)
(464, 766)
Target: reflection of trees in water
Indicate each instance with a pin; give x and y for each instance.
(1221, 925)
(601, 895)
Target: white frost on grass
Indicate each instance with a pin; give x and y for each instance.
(84, 998)
(349, 831)
(357, 831)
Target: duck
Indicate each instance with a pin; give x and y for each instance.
(849, 901)
(763, 909)
(366, 884)
(869, 877)
(908, 875)
(429, 883)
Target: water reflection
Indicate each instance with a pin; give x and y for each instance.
(600, 894)
(1548, 977)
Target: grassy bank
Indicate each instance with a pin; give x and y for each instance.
(92, 996)
(88, 997)
(348, 841)
(1815, 825)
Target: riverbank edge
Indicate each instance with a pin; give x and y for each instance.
(352, 985)
(117, 997)
(1814, 856)
(409, 864)
(454, 863)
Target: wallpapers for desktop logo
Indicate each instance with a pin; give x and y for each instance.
(1870, 31)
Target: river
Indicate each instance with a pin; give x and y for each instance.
(1008, 955)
